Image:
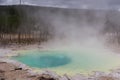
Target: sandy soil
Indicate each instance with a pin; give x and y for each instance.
(12, 72)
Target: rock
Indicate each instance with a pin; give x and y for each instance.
(2, 78)
(45, 78)
(106, 78)
(67, 77)
(63, 78)
(79, 77)
(18, 68)
(2, 62)
(51, 74)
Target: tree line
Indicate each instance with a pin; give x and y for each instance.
(19, 28)
(19, 25)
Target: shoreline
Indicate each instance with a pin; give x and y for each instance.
(11, 51)
(49, 75)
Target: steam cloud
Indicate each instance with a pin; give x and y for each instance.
(75, 30)
(72, 30)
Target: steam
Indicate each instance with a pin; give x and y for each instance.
(75, 30)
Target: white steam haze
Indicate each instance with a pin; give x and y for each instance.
(75, 28)
(99, 4)
(75, 33)
(70, 31)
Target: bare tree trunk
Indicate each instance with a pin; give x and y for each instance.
(19, 37)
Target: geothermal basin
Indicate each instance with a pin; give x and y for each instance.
(70, 62)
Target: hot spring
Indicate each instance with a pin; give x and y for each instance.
(77, 40)
(70, 62)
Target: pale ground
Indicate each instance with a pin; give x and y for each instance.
(12, 70)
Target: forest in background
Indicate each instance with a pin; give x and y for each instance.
(18, 27)
(19, 24)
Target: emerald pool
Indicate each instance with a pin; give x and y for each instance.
(71, 62)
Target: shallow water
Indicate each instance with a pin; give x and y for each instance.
(70, 62)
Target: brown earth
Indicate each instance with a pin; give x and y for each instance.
(11, 72)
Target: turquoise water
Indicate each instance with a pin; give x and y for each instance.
(44, 60)
(69, 61)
